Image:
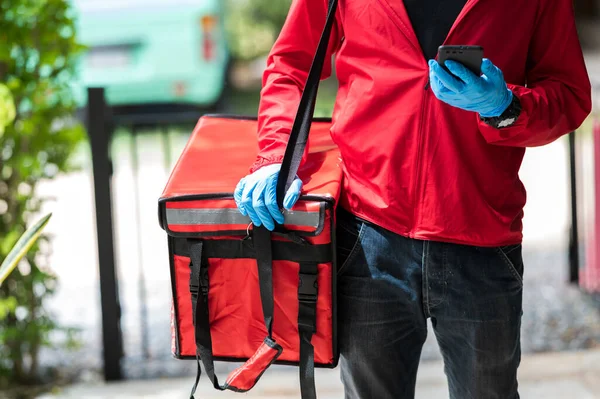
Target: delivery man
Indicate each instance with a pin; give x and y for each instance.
(430, 219)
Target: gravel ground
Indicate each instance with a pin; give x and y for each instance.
(556, 317)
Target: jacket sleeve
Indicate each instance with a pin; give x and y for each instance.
(288, 65)
(557, 98)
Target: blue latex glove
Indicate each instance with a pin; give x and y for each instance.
(487, 95)
(256, 196)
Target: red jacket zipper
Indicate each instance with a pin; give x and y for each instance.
(417, 193)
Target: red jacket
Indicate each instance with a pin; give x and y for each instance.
(413, 164)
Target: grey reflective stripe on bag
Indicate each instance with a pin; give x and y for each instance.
(232, 216)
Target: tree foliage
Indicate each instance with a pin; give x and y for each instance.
(38, 50)
(7, 108)
(253, 26)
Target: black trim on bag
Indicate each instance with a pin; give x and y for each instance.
(334, 317)
(321, 226)
(175, 321)
(244, 249)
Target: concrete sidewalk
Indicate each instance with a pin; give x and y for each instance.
(567, 375)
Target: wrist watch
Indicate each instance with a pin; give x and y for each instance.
(508, 117)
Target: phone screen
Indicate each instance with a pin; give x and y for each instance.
(469, 56)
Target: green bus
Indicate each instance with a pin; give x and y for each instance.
(153, 51)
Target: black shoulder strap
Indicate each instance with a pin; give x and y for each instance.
(306, 109)
(307, 292)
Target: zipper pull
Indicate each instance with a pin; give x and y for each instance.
(427, 85)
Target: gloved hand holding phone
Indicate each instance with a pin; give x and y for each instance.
(487, 94)
(256, 196)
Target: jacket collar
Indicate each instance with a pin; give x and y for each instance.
(397, 12)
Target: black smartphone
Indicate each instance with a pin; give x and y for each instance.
(469, 56)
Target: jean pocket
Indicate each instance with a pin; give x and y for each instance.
(512, 257)
(349, 230)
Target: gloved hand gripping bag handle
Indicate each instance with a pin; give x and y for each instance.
(246, 376)
(306, 109)
(250, 372)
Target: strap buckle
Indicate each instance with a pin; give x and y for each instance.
(204, 280)
(203, 287)
(193, 286)
(307, 298)
(308, 288)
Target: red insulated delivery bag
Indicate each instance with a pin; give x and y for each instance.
(240, 292)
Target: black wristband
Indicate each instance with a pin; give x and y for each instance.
(508, 117)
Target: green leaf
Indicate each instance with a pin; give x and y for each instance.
(8, 241)
(7, 305)
(20, 249)
(7, 108)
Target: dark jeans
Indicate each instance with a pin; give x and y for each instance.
(389, 285)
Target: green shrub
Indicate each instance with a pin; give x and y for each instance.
(253, 26)
(7, 108)
(38, 50)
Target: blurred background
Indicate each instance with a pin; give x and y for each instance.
(161, 66)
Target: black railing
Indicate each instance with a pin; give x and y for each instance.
(99, 131)
(102, 121)
(573, 233)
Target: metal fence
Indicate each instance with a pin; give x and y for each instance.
(102, 121)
